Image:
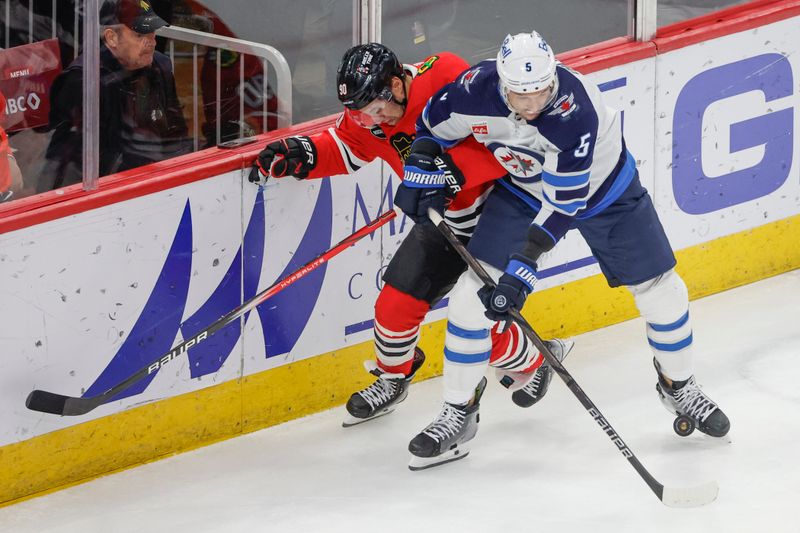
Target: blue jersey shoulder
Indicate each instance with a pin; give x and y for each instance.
(473, 93)
(571, 114)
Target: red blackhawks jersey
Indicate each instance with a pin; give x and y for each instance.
(347, 147)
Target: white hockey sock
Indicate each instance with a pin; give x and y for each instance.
(664, 304)
(466, 355)
(467, 344)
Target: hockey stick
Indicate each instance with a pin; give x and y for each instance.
(672, 497)
(58, 404)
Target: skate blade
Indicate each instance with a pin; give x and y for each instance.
(422, 463)
(351, 421)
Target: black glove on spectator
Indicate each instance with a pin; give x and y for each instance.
(292, 156)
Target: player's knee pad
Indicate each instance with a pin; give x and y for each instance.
(663, 299)
(664, 304)
(465, 308)
(466, 323)
(398, 311)
(397, 319)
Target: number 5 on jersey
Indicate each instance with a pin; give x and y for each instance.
(583, 148)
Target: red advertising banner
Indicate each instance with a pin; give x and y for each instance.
(26, 74)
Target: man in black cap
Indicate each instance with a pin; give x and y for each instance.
(128, 28)
(141, 120)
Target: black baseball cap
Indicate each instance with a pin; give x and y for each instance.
(138, 15)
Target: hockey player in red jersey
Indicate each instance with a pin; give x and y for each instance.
(383, 100)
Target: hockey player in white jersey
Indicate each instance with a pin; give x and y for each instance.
(569, 168)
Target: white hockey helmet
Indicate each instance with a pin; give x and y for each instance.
(525, 64)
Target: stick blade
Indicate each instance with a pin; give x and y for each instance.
(58, 404)
(46, 402)
(690, 496)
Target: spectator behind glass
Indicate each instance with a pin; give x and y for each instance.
(10, 176)
(140, 117)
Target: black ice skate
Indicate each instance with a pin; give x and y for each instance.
(382, 397)
(447, 438)
(539, 380)
(693, 408)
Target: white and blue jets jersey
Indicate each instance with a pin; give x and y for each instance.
(571, 159)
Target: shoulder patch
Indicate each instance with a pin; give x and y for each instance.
(426, 65)
(402, 143)
(480, 128)
(466, 79)
(377, 132)
(564, 106)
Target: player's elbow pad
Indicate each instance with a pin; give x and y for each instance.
(539, 242)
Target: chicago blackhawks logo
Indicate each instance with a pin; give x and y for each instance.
(402, 143)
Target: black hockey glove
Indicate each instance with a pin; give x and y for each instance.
(514, 286)
(292, 156)
(430, 180)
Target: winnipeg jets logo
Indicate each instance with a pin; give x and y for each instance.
(518, 164)
(564, 106)
(469, 77)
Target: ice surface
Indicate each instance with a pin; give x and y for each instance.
(545, 469)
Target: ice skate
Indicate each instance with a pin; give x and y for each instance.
(382, 397)
(530, 387)
(693, 408)
(447, 438)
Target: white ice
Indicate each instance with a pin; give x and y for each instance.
(546, 469)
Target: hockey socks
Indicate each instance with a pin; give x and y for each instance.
(397, 319)
(514, 357)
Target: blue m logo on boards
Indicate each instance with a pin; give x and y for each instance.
(283, 319)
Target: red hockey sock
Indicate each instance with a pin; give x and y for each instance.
(512, 350)
(397, 319)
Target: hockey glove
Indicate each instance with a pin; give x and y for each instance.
(430, 180)
(292, 156)
(512, 289)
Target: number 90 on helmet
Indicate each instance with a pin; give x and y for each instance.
(365, 73)
(525, 64)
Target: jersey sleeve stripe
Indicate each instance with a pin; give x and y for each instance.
(352, 162)
(559, 180)
(568, 208)
(562, 195)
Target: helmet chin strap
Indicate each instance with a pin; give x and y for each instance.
(553, 94)
(503, 90)
(405, 96)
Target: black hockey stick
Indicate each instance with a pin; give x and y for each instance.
(58, 404)
(672, 497)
